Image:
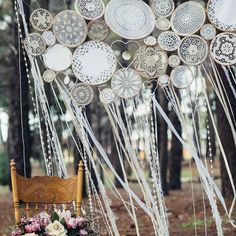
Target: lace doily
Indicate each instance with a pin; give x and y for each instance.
(174, 61)
(34, 44)
(163, 80)
(162, 23)
(181, 77)
(208, 31)
(41, 19)
(221, 14)
(57, 57)
(223, 48)
(49, 76)
(107, 96)
(151, 62)
(169, 41)
(130, 19)
(82, 94)
(150, 41)
(126, 83)
(90, 10)
(94, 62)
(97, 30)
(193, 50)
(188, 18)
(163, 8)
(49, 38)
(69, 28)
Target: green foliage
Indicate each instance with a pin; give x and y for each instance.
(4, 169)
(54, 216)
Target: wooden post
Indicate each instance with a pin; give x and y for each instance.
(79, 189)
(15, 191)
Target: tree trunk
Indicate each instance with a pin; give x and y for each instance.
(19, 132)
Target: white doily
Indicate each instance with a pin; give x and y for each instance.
(49, 38)
(34, 44)
(174, 61)
(162, 23)
(82, 94)
(49, 76)
(188, 18)
(126, 83)
(69, 28)
(181, 77)
(163, 80)
(223, 48)
(221, 14)
(41, 19)
(193, 50)
(151, 62)
(94, 62)
(130, 19)
(97, 30)
(169, 41)
(57, 57)
(150, 41)
(107, 96)
(90, 10)
(163, 8)
(208, 31)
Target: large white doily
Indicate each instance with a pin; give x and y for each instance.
(130, 19)
(90, 9)
(223, 48)
(181, 77)
(34, 44)
(188, 18)
(57, 57)
(221, 14)
(169, 41)
(163, 8)
(193, 50)
(94, 63)
(69, 28)
(97, 30)
(126, 83)
(82, 94)
(41, 19)
(151, 62)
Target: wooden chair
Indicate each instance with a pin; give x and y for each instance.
(45, 190)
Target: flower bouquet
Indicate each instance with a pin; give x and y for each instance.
(59, 223)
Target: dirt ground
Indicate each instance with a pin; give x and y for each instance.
(180, 213)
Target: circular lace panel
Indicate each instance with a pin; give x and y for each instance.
(82, 94)
(49, 76)
(163, 8)
(97, 30)
(34, 44)
(151, 62)
(49, 38)
(130, 19)
(57, 57)
(41, 19)
(126, 83)
(107, 96)
(223, 48)
(221, 14)
(150, 41)
(208, 31)
(69, 28)
(162, 23)
(174, 61)
(193, 50)
(181, 77)
(188, 18)
(169, 41)
(163, 80)
(94, 62)
(90, 10)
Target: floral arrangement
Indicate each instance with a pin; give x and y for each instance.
(59, 223)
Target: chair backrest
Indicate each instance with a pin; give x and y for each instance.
(45, 190)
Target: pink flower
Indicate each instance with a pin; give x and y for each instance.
(33, 227)
(43, 219)
(83, 232)
(80, 221)
(16, 232)
(71, 223)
